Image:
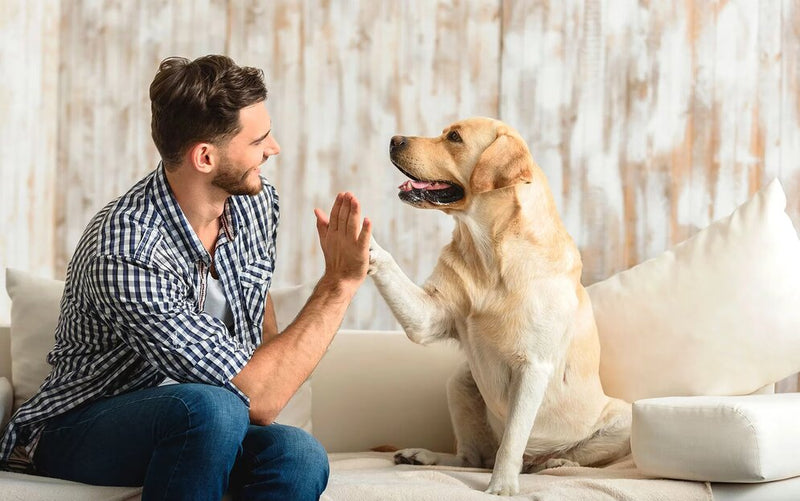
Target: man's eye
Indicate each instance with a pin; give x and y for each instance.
(454, 137)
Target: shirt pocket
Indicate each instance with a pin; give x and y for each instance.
(255, 279)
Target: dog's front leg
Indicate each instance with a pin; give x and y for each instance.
(528, 383)
(420, 315)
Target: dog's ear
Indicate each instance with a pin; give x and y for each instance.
(503, 163)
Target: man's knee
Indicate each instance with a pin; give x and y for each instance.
(210, 413)
(295, 453)
(306, 450)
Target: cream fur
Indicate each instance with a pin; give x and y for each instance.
(508, 289)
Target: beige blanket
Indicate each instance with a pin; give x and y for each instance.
(372, 476)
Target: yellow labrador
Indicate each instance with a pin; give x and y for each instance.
(508, 289)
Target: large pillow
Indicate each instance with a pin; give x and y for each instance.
(288, 301)
(719, 314)
(34, 315)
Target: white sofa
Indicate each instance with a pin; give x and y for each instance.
(375, 388)
(681, 335)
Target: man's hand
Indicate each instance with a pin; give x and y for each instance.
(281, 364)
(345, 241)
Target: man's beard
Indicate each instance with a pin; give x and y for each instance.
(230, 179)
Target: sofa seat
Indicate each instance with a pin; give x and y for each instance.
(353, 414)
(21, 487)
(369, 476)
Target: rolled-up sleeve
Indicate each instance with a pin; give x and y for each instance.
(153, 311)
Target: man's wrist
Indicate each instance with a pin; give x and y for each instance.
(338, 287)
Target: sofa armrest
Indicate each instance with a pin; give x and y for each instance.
(740, 439)
(6, 400)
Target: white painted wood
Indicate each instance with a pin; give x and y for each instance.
(110, 51)
(29, 60)
(344, 77)
(649, 119)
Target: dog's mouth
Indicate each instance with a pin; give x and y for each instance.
(439, 192)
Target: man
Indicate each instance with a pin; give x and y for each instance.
(169, 284)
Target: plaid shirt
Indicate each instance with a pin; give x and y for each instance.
(132, 311)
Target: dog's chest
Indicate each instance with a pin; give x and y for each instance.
(499, 321)
(505, 328)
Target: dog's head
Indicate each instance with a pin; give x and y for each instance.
(468, 158)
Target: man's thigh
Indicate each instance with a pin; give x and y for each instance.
(112, 441)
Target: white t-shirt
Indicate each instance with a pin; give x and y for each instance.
(216, 305)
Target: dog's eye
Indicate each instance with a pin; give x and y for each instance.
(454, 137)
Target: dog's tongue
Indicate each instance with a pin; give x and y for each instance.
(422, 185)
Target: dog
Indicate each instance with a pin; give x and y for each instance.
(507, 288)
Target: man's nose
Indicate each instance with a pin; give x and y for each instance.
(397, 142)
(272, 147)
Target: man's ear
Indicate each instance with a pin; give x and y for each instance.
(203, 157)
(504, 162)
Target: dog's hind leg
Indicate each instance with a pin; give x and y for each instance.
(609, 443)
(476, 444)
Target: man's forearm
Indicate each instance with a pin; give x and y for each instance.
(283, 363)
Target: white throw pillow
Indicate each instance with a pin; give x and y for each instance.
(752, 438)
(719, 314)
(34, 315)
(288, 301)
(35, 306)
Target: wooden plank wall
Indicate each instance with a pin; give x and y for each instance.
(29, 62)
(651, 119)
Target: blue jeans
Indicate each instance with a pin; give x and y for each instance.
(182, 441)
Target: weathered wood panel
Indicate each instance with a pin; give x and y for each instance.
(650, 119)
(790, 105)
(29, 60)
(346, 76)
(110, 50)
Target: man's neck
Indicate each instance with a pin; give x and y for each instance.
(201, 203)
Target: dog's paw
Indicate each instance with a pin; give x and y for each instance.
(377, 256)
(416, 456)
(503, 484)
(558, 463)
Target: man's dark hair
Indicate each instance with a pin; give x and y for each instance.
(199, 101)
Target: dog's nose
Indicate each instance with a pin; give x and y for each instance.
(397, 142)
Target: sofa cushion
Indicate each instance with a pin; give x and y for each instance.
(288, 301)
(34, 316)
(751, 438)
(716, 315)
(20, 486)
(373, 476)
